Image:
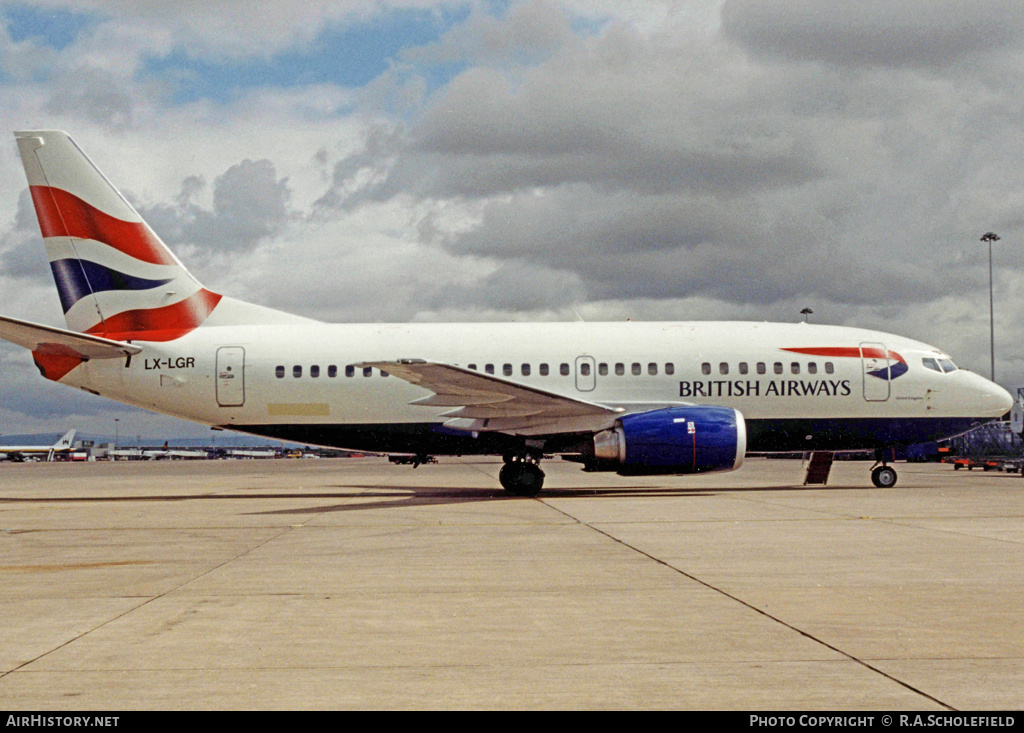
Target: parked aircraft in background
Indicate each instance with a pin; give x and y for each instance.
(155, 454)
(634, 397)
(20, 452)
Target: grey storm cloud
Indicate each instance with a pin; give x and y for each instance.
(249, 204)
(21, 247)
(587, 117)
(486, 135)
(516, 285)
(639, 167)
(890, 33)
(96, 94)
(630, 245)
(531, 30)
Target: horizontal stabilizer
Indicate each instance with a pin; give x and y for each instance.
(58, 341)
(57, 351)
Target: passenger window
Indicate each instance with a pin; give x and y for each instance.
(471, 366)
(350, 371)
(812, 367)
(723, 368)
(543, 370)
(314, 371)
(563, 369)
(795, 367)
(489, 368)
(506, 369)
(635, 368)
(829, 368)
(367, 371)
(332, 371)
(705, 368)
(384, 373)
(602, 369)
(620, 369)
(743, 367)
(761, 368)
(296, 371)
(670, 368)
(525, 370)
(279, 372)
(652, 369)
(585, 369)
(778, 367)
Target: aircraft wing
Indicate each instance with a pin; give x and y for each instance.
(52, 341)
(484, 402)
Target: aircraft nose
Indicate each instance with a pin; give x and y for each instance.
(997, 400)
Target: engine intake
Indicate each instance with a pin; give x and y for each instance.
(674, 440)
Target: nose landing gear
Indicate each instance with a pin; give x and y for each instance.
(883, 476)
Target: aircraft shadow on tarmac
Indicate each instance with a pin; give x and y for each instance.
(368, 497)
(392, 497)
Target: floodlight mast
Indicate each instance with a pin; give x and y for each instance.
(989, 238)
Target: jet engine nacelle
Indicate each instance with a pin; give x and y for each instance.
(674, 440)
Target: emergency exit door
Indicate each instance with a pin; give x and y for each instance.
(230, 376)
(586, 375)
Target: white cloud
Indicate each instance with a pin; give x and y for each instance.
(613, 159)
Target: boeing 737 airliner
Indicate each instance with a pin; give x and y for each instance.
(635, 398)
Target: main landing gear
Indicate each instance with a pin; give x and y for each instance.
(521, 476)
(883, 476)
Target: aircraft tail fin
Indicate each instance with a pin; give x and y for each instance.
(65, 441)
(115, 277)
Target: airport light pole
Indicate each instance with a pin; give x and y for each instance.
(989, 238)
(806, 312)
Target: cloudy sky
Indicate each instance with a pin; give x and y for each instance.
(404, 160)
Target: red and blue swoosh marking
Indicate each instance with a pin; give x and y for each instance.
(166, 323)
(62, 214)
(897, 364)
(78, 278)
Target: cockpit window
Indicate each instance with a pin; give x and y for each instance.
(939, 364)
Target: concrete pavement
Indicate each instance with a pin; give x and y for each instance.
(353, 583)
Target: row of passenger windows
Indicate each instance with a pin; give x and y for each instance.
(762, 368)
(508, 370)
(586, 369)
(332, 371)
(619, 368)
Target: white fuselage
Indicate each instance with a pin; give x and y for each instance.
(304, 374)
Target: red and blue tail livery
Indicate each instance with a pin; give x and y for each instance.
(115, 277)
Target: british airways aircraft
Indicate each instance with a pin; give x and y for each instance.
(633, 397)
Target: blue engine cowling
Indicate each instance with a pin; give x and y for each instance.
(674, 440)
